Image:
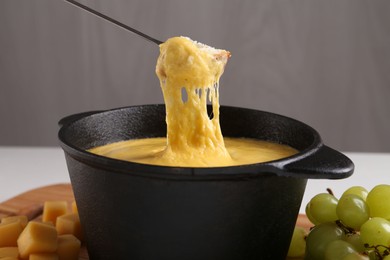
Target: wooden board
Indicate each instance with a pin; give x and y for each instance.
(30, 204)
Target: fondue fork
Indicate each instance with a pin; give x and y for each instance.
(123, 26)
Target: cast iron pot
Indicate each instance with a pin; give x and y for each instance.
(137, 211)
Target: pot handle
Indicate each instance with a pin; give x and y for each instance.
(323, 163)
(69, 119)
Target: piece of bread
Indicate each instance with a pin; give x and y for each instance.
(190, 63)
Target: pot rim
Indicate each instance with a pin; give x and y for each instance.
(280, 167)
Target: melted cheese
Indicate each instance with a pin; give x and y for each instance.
(189, 74)
(151, 150)
(193, 69)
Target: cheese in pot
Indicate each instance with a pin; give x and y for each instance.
(189, 74)
(152, 151)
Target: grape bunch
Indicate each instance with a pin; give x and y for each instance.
(355, 226)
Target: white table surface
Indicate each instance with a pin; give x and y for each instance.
(25, 168)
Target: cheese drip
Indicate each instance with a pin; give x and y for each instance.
(189, 74)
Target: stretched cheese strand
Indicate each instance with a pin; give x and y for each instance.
(189, 74)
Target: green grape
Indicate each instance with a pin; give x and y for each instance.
(298, 243)
(372, 255)
(353, 211)
(355, 256)
(355, 240)
(309, 216)
(378, 201)
(323, 208)
(357, 190)
(376, 232)
(319, 237)
(338, 249)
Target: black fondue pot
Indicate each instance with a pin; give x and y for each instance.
(138, 211)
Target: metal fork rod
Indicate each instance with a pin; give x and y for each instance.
(105, 17)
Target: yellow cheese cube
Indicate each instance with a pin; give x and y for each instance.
(9, 233)
(68, 247)
(50, 256)
(69, 224)
(9, 252)
(22, 219)
(37, 238)
(53, 209)
(48, 223)
(74, 207)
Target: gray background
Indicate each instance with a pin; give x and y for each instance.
(322, 62)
